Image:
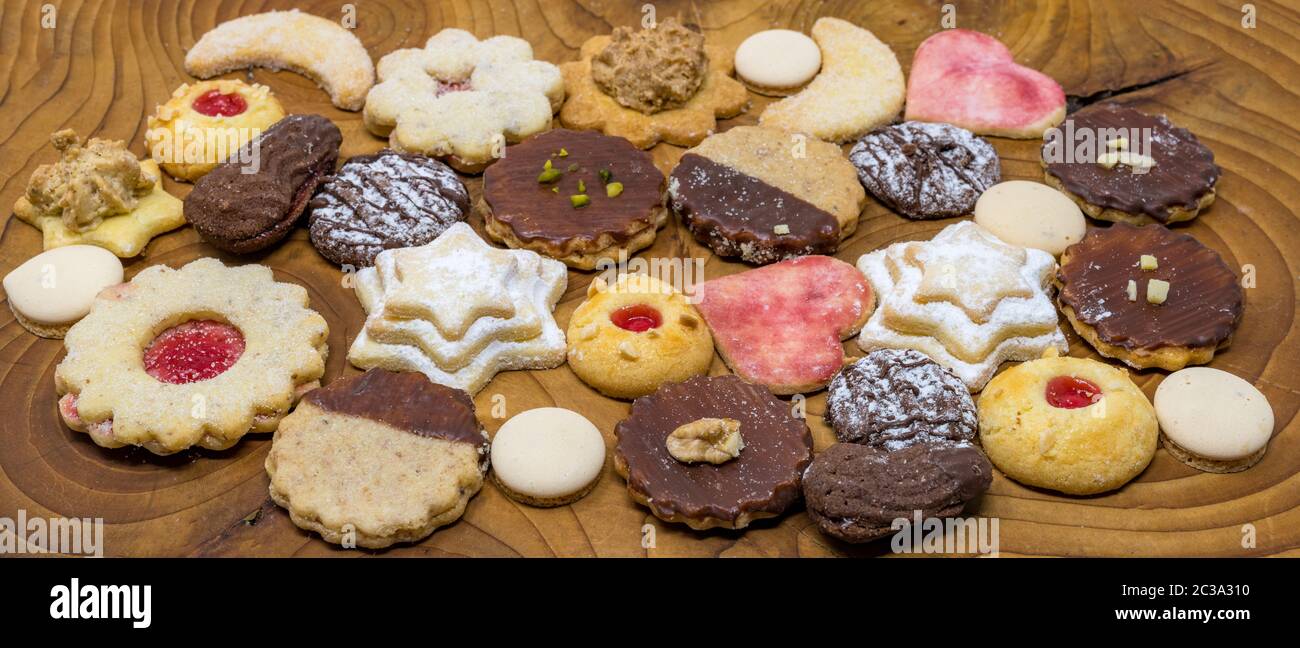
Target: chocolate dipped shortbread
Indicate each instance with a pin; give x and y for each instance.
(576, 196)
(765, 195)
(1149, 296)
(712, 452)
(1140, 168)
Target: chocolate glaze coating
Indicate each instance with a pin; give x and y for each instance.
(899, 398)
(245, 212)
(854, 492)
(764, 478)
(1205, 301)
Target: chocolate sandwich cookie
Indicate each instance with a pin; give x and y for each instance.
(1149, 296)
(252, 200)
(382, 201)
(924, 170)
(895, 399)
(855, 492)
(379, 458)
(576, 196)
(712, 452)
(1144, 169)
(765, 195)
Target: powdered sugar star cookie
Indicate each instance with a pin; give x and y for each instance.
(463, 99)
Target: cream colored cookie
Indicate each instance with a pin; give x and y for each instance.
(860, 87)
(52, 290)
(203, 124)
(777, 62)
(1032, 215)
(1212, 420)
(320, 49)
(549, 456)
(362, 473)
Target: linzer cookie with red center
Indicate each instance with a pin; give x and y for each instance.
(202, 124)
(925, 170)
(712, 452)
(576, 196)
(1149, 296)
(378, 459)
(1139, 168)
(765, 195)
(252, 200)
(382, 201)
(781, 325)
(196, 356)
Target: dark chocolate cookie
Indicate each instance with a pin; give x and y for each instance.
(924, 170)
(382, 201)
(252, 200)
(896, 399)
(855, 492)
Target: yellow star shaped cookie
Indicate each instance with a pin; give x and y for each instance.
(124, 235)
(969, 270)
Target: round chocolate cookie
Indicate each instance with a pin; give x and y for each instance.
(252, 200)
(760, 480)
(577, 196)
(855, 492)
(924, 170)
(381, 201)
(1176, 310)
(896, 399)
(1144, 169)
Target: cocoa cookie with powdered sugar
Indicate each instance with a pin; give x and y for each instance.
(924, 170)
(895, 399)
(382, 201)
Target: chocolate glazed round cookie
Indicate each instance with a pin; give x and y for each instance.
(1146, 169)
(252, 200)
(896, 399)
(1174, 309)
(726, 481)
(923, 170)
(382, 201)
(576, 196)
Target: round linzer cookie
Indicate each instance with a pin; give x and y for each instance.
(1149, 296)
(765, 195)
(924, 170)
(855, 492)
(1144, 169)
(577, 196)
(382, 201)
(896, 399)
(377, 459)
(712, 452)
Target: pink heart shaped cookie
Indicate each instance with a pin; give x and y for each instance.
(781, 325)
(969, 79)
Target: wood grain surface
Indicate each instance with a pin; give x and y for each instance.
(106, 64)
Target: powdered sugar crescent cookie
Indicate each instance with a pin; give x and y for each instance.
(463, 99)
(777, 62)
(378, 459)
(629, 338)
(196, 356)
(204, 123)
(859, 88)
(319, 49)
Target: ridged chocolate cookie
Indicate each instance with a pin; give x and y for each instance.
(923, 170)
(897, 399)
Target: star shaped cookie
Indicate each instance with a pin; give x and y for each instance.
(948, 265)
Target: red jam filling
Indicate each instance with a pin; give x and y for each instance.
(213, 103)
(193, 351)
(1068, 392)
(637, 318)
(445, 87)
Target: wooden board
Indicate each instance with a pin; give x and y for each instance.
(106, 64)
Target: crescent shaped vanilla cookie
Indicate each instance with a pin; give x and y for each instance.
(319, 49)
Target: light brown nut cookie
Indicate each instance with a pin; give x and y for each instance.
(196, 356)
(205, 123)
(377, 459)
(859, 88)
(319, 49)
(462, 99)
(766, 195)
(589, 108)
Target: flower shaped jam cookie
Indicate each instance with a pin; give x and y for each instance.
(196, 356)
(463, 99)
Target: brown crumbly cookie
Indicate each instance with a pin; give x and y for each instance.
(378, 459)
